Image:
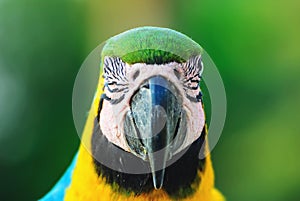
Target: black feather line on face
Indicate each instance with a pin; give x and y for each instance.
(192, 71)
(178, 177)
(115, 79)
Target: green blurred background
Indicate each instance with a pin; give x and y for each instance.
(255, 44)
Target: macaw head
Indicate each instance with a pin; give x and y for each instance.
(151, 106)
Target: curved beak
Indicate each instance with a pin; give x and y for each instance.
(156, 113)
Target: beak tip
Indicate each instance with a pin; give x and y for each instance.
(157, 187)
(158, 179)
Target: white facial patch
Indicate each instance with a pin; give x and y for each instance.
(123, 80)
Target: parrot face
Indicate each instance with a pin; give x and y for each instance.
(153, 111)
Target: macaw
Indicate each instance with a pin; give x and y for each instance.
(146, 125)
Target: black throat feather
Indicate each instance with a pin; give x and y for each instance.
(178, 179)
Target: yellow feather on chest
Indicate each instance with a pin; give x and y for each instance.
(86, 185)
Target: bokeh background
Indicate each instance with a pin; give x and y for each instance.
(255, 44)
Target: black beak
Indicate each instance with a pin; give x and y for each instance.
(156, 111)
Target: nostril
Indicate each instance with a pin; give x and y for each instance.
(146, 86)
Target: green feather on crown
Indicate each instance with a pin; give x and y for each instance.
(151, 45)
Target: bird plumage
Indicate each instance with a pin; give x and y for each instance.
(189, 178)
